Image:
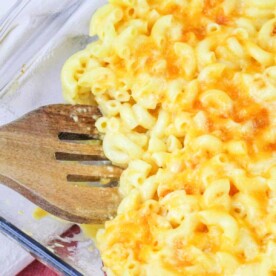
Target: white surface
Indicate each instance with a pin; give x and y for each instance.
(12, 258)
(5, 5)
(43, 88)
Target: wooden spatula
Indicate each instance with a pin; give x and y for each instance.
(50, 156)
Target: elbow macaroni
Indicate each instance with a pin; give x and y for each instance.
(187, 90)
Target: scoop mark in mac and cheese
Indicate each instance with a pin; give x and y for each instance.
(187, 90)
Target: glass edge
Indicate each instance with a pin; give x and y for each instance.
(11, 14)
(36, 249)
(30, 50)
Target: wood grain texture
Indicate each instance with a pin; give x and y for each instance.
(28, 149)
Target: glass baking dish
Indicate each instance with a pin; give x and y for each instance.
(36, 37)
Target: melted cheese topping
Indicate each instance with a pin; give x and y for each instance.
(187, 90)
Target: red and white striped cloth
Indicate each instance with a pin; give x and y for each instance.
(37, 269)
(61, 246)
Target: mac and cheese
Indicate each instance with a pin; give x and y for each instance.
(187, 90)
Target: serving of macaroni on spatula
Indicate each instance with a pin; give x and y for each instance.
(53, 157)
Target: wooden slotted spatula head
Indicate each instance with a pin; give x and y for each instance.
(42, 158)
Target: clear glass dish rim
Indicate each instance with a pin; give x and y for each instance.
(36, 249)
